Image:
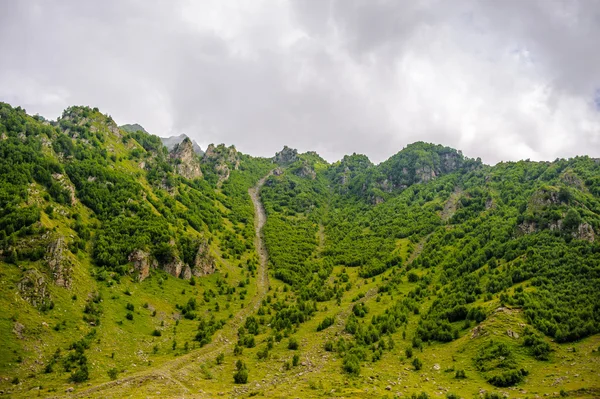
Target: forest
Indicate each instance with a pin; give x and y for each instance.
(428, 274)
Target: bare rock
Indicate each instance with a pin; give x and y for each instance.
(585, 232)
(286, 156)
(59, 263)
(205, 263)
(18, 329)
(186, 274)
(34, 289)
(174, 267)
(187, 161)
(141, 263)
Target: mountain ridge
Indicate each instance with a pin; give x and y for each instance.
(120, 259)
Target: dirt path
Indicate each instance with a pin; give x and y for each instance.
(180, 369)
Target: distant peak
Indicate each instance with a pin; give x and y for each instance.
(171, 142)
(133, 127)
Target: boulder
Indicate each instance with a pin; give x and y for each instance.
(141, 263)
(174, 267)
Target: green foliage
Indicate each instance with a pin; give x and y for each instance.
(241, 374)
(326, 322)
(417, 363)
(293, 343)
(539, 348)
(498, 363)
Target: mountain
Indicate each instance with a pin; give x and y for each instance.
(130, 269)
(171, 142)
(132, 128)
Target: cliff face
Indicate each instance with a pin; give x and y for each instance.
(186, 161)
(59, 262)
(286, 156)
(224, 160)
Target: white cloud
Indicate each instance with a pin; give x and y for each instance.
(499, 80)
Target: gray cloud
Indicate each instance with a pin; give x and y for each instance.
(500, 80)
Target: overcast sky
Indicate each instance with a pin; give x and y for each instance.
(502, 80)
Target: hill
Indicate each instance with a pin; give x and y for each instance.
(129, 269)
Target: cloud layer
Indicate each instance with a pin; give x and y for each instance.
(500, 80)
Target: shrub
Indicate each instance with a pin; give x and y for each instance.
(241, 374)
(293, 344)
(112, 373)
(351, 364)
(156, 333)
(417, 364)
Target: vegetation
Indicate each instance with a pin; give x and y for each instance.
(471, 275)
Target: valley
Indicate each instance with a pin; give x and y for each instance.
(133, 270)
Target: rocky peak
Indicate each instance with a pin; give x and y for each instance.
(171, 142)
(186, 161)
(286, 156)
(223, 158)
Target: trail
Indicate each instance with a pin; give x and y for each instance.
(185, 368)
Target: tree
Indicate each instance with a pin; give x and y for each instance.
(241, 375)
(572, 220)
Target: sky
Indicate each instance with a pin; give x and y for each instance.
(501, 80)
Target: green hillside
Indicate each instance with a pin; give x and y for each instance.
(131, 270)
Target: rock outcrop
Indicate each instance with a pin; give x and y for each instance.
(59, 263)
(141, 263)
(187, 163)
(174, 267)
(224, 160)
(286, 156)
(585, 232)
(34, 289)
(204, 263)
(305, 171)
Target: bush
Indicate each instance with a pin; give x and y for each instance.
(112, 373)
(293, 344)
(241, 375)
(327, 322)
(295, 360)
(409, 352)
(351, 364)
(156, 333)
(80, 375)
(417, 364)
(460, 374)
(129, 316)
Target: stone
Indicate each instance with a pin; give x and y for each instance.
(59, 263)
(286, 156)
(187, 161)
(204, 263)
(34, 289)
(18, 329)
(141, 263)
